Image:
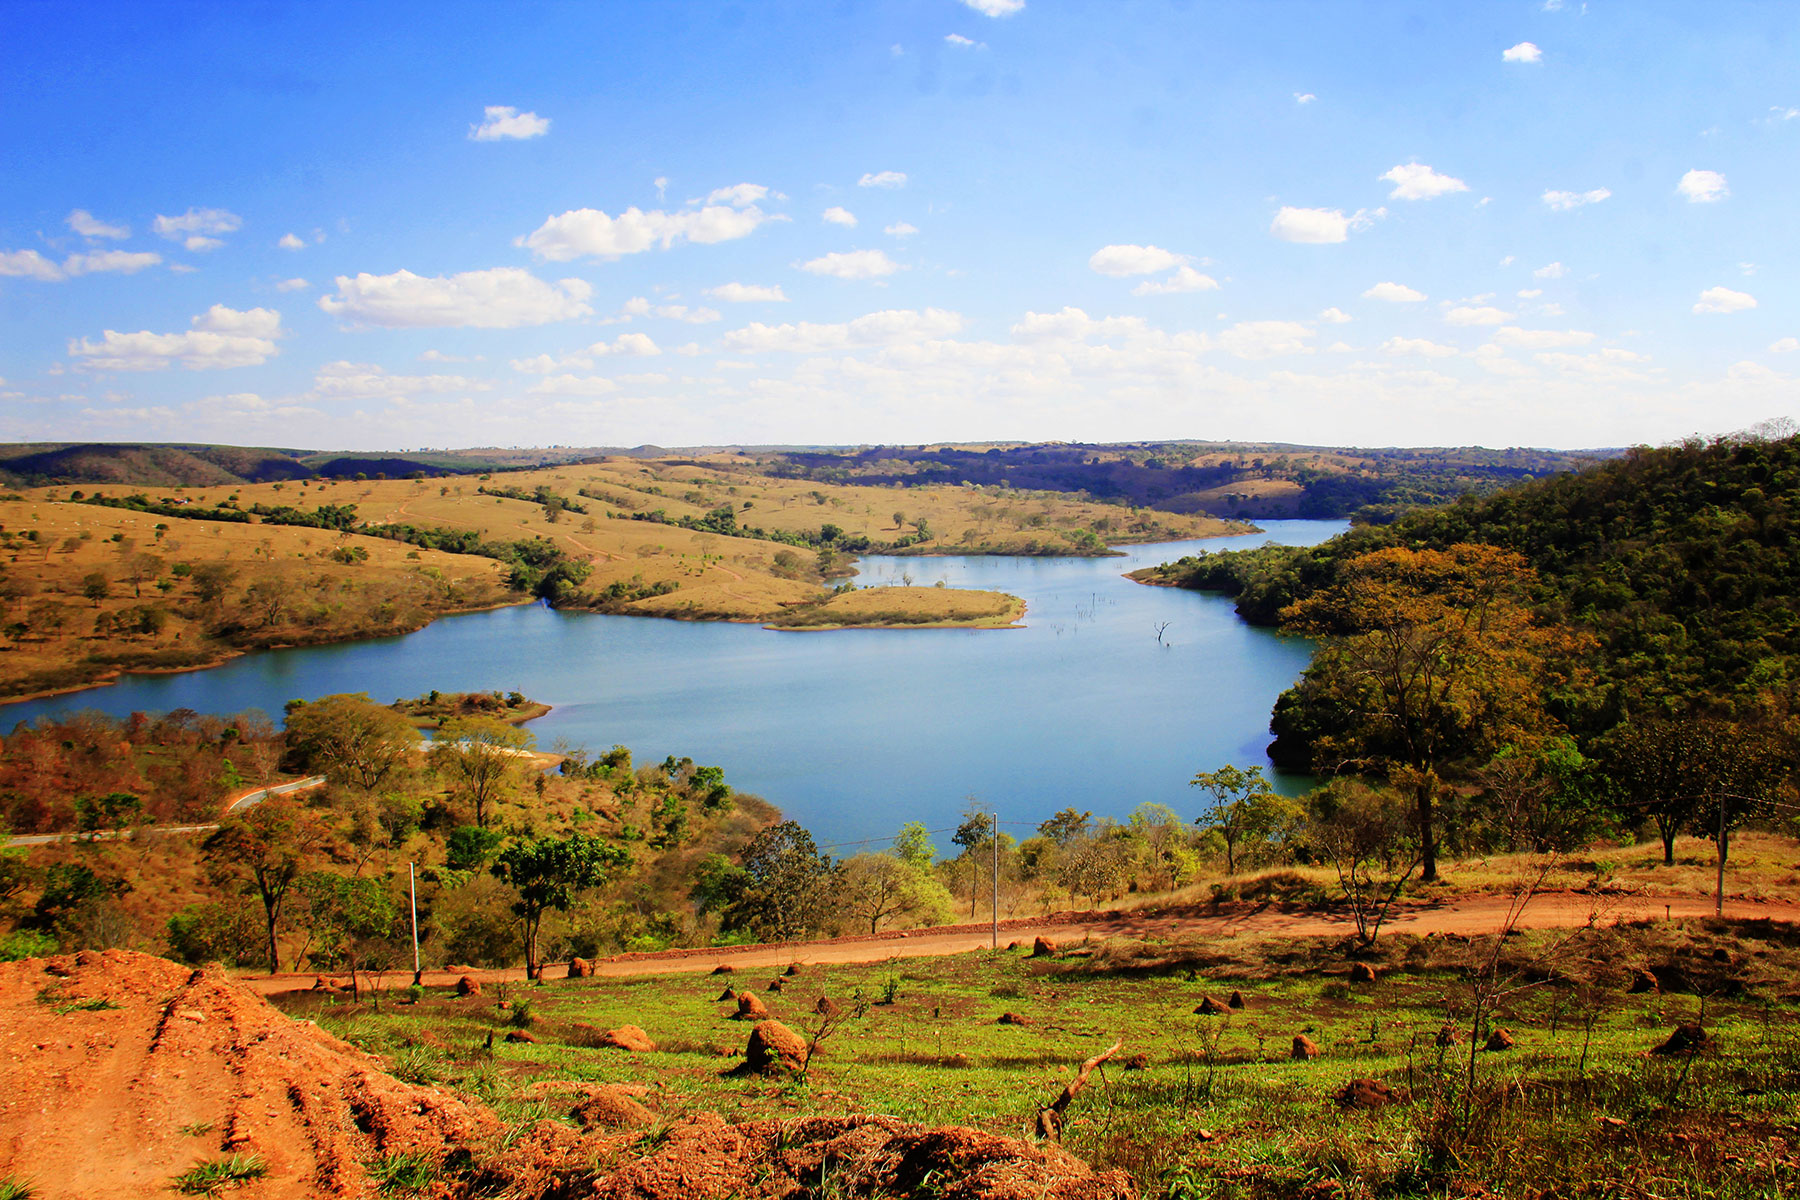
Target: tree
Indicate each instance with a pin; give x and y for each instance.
(878, 888)
(786, 894)
(899, 519)
(139, 567)
(96, 586)
(974, 834)
(1246, 812)
(1684, 773)
(470, 846)
(1372, 842)
(1066, 826)
(211, 580)
(913, 847)
(1433, 656)
(547, 873)
(348, 738)
(266, 850)
(481, 756)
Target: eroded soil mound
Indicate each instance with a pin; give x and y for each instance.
(119, 1071)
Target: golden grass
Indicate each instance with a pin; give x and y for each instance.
(907, 608)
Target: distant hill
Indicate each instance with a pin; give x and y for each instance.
(183, 465)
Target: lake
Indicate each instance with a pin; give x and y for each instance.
(851, 732)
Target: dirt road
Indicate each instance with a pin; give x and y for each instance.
(1464, 915)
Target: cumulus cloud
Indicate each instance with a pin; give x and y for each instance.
(292, 285)
(573, 385)
(747, 293)
(291, 241)
(28, 264)
(1464, 314)
(1524, 52)
(198, 228)
(1703, 187)
(1564, 201)
(883, 179)
(1318, 226)
(1266, 339)
(500, 298)
(1184, 279)
(219, 337)
(1786, 345)
(1418, 347)
(996, 8)
(900, 229)
(1304, 97)
(1394, 293)
(1541, 339)
(840, 216)
(1334, 316)
(365, 381)
(1416, 181)
(1553, 270)
(588, 232)
(1133, 260)
(630, 345)
(853, 264)
(87, 225)
(1723, 300)
(503, 122)
(638, 306)
(963, 43)
(888, 328)
(125, 262)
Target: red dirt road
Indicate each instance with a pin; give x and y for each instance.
(1466, 915)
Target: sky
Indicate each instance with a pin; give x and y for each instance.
(407, 226)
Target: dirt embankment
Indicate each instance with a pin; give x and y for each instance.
(119, 1072)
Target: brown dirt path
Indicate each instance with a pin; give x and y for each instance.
(1463, 915)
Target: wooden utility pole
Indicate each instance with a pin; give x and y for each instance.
(996, 897)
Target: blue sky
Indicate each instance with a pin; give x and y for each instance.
(398, 226)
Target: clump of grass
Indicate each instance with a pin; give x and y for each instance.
(211, 1178)
(14, 1188)
(417, 1065)
(403, 1173)
(197, 1129)
(521, 1016)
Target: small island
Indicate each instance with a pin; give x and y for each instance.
(434, 708)
(905, 608)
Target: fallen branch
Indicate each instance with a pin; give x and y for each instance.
(1050, 1117)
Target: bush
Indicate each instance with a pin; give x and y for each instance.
(26, 943)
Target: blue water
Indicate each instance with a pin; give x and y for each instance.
(850, 732)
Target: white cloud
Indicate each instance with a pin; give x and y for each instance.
(1074, 325)
(365, 381)
(292, 285)
(996, 8)
(1553, 270)
(631, 345)
(1185, 279)
(291, 241)
(1394, 293)
(87, 225)
(220, 337)
(1783, 113)
(1564, 201)
(739, 195)
(1463, 314)
(198, 228)
(1266, 339)
(840, 216)
(1416, 181)
(505, 122)
(1786, 345)
(1304, 97)
(747, 293)
(1418, 347)
(1318, 226)
(589, 232)
(1529, 293)
(1703, 187)
(1541, 339)
(573, 385)
(1610, 365)
(28, 264)
(126, 262)
(1724, 300)
(888, 328)
(500, 298)
(637, 306)
(901, 229)
(440, 356)
(1133, 260)
(853, 264)
(1524, 52)
(963, 43)
(1334, 316)
(883, 179)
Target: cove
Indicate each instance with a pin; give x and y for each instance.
(850, 732)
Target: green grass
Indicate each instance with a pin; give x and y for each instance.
(211, 1178)
(14, 1188)
(403, 1174)
(1220, 1110)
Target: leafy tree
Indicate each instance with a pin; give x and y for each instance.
(1433, 657)
(481, 756)
(786, 893)
(1246, 812)
(349, 920)
(469, 847)
(96, 586)
(348, 738)
(1066, 826)
(210, 581)
(881, 888)
(913, 847)
(974, 835)
(708, 784)
(69, 890)
(1372, 841)
(718, 884)
(266, 850)
(1683, 773)
(215, 932)
(548, 873)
